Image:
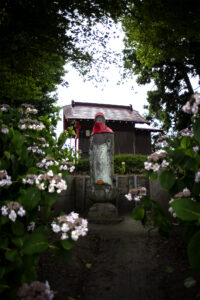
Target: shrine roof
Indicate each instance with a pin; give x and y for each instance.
(87, 111)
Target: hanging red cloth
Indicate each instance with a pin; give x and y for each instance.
(101, 128)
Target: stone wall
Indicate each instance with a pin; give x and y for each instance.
(75, 198)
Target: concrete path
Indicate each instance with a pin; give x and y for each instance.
(121, 262)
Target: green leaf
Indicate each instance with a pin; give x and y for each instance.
(30, 197)
(35, 243)
(189, 282)
(153, 176)
(169, 269)
(11, 255)
(138, 213)
(189, 163)
(17, 228)
(61, 253)
(196, 130)
(67, 244)
(167, 179)
(193, 251)
(7, 154)
(17, 241)
(146, 202)
(186, 209)
(186, 142)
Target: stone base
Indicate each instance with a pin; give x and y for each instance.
(103, 213)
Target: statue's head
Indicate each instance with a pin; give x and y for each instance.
(99, 118)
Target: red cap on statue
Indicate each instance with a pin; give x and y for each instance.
(100, 126)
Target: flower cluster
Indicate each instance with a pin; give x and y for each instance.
(67, 165)
(136, 194)
(47, 162)
(51, 181)
(162, 142)
(36, 290)
(42, 142)
(35, 149)
(154, 158)
(186, 132)
(171, 211)
(192, 106)
(5, 180)
(29, 109)
(197, 176)
(70, 226)
(13, 209)
(30, 179)
(184, 194)
(4, 129)
(30, 124)
(196, 148)
(4, 107)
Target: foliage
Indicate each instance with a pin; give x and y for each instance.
(33, 164)
(39, 37)
(162, 45)
(134, 164)
(177, 166)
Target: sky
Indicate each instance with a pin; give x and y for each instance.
(112, 93)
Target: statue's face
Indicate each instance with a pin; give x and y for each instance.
(100, 119)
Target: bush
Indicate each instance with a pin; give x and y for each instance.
(33, 165)
(177, 166)
(133, 164)
(83, 166)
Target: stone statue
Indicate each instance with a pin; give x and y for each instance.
(102, 190)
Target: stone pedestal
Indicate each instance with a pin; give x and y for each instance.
(103, 213)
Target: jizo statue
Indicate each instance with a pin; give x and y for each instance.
(101, 152)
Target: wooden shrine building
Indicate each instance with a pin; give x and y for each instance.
(123, 120)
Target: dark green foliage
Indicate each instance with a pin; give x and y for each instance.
(83, 166)
(134, 164)
(162, 46)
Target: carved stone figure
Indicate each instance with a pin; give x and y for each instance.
(102, 190)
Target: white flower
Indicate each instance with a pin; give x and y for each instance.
(187, 108)
(50, 173)
(4, 130)
(12, 216)
(147, 165)
(137, 198)
(41, 186)
(51, 189)
(164, 164)
(156, 167)
(21, 212)
(74, 235)
(196, 148)
(55, 227)
(197, 176)
(129, 197)
(74, 215)
(72, 169)
(65, 227)
(4, 210)
(64, 236)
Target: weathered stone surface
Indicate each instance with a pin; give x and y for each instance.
(103, 213)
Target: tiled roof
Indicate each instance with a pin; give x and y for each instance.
(87, 111)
